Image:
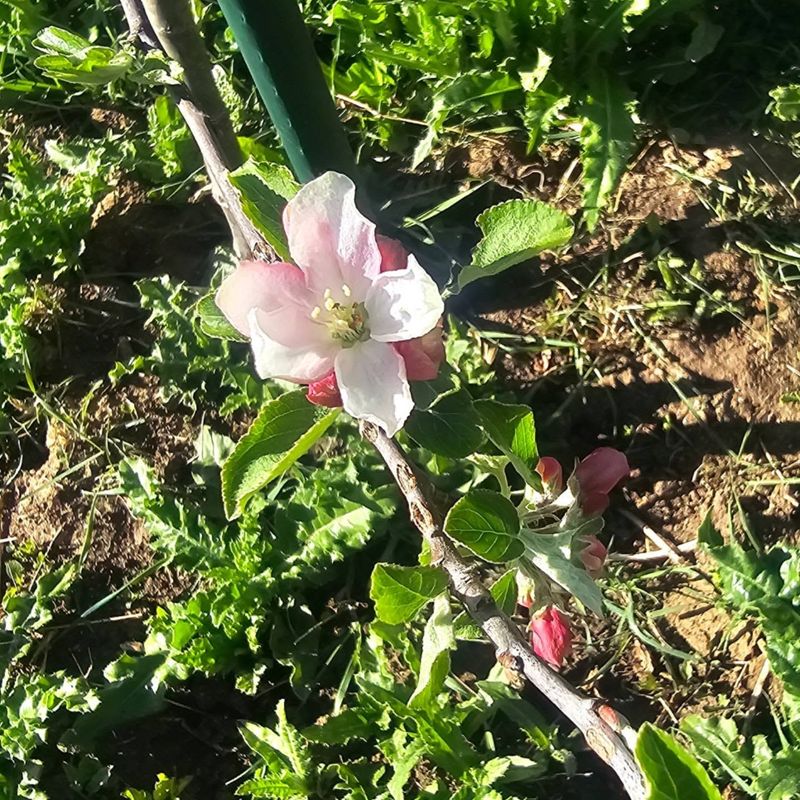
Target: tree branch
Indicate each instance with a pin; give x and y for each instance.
(219, 160)
(176, 31)
(604, 730)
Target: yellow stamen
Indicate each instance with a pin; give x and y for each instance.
(316, 312)
(329, 303)
(346, 290)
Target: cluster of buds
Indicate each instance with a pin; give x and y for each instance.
(587, 493)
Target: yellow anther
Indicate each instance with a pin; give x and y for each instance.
(330, 303)
(316, 311)
(346, 290)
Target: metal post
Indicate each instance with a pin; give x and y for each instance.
(279, 54)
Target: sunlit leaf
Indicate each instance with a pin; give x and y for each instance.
(487, 523)
(285, 430)
(513, 232)
(400, 593)
(607, 138)
(671, 772)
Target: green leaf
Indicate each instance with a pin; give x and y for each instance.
(284, 430)
(488, 524)
(451, 427)
(513, 232)
(744, 576)
(716, 740)
(779, 777)
(606, 142)
(267, 745)
(213, 322)
(400, 593)
(671, 772)
(446, 744)
(786, 102)
(705, 38)
(286, 787)
(504, 590)
(342, 728)
(264, 189)
(293, 745)
(437, 642)
(69, 57)
(512, 430)
(403, 757)
(128, 697)
(336, 510)
(550, 552)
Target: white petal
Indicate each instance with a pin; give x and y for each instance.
(373, 385)
(403, 304)
(307, 358)
(257, 284)
(330, 239)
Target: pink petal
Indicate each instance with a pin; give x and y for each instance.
(372, 381)
(594, 503)
(257, 284)
(305, 355)
(423, 355)
(592, 554)
(602, 470)
(403, 304)
(393, 254)
(330, 239)
(325, 392)
(551, 636)
(550, 472)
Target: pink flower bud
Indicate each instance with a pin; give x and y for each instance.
(423, 355)
(325, 392)
(551, 637)
(597, 475)
(592, 553)
(602, 470)
(393, 254)
(550, 472)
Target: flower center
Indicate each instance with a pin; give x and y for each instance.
(346, 322)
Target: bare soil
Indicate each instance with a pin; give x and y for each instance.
(698, 406)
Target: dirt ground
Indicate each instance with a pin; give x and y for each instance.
(698, 405)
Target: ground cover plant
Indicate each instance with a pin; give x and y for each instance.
(212, 587)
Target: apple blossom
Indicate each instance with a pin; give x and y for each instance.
(551, 637)
(597, 475)
(354, 333)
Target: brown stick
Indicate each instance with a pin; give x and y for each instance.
(219, 159)
(601, 726)
(177, 33)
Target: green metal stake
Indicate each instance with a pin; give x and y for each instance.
(278, 51)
